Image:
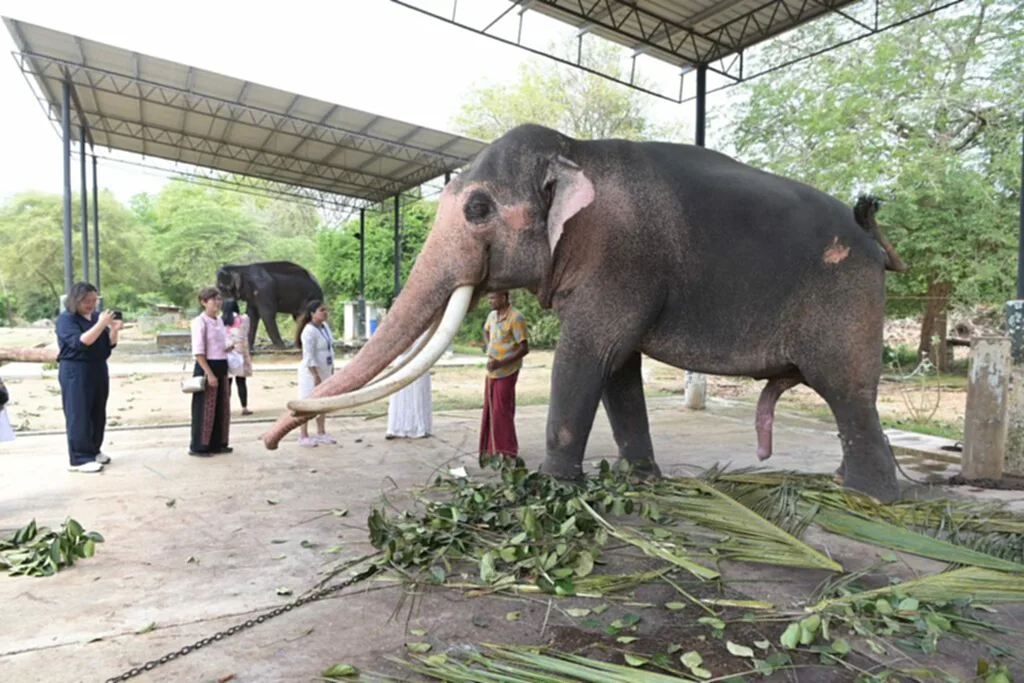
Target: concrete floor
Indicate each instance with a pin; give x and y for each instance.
(210, 560)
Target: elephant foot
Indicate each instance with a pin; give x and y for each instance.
(641, 470)
(562, 468)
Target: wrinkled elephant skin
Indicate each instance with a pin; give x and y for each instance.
(269, 288)
(668, 250)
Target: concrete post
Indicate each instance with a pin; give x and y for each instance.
(696, 390)
(1015, 410)
(985, 420)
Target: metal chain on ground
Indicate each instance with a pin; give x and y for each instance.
(277, 611)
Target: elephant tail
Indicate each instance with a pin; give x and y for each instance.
(864, 213)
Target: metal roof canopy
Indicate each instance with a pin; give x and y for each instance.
(710, 35)
(154, 107)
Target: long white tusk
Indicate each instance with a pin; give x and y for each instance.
(411, 354)
(458, 305)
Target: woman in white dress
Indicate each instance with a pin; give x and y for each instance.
(410, 410)
(314, 337)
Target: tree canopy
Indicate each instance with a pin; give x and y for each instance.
(926, 117)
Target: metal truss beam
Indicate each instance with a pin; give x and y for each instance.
(721, 49)
(134, 87)
(260, 162)
(250, 185)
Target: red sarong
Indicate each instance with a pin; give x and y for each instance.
(498, 426)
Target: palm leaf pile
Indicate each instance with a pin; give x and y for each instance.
(523, 532)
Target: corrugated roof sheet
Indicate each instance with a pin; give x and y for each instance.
(151, 106)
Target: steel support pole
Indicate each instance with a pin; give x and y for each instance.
(96, 220)
(1020, 246)
(65, 120)
(702, 95)
(696, 384)
(398, 245)
(361, 314)
(85, 204)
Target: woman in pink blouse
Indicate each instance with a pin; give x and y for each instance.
(211, 408)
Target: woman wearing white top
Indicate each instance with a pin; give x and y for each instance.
(314, 337)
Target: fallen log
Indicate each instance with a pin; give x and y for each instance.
(43, 355)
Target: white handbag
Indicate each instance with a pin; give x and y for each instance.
(193, 385)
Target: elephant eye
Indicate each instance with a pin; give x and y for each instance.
(478, 208)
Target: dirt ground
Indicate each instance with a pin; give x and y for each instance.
(152, 399)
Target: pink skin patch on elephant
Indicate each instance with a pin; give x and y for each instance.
(765, 416)
(835, 252)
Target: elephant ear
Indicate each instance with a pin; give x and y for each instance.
(572, 192)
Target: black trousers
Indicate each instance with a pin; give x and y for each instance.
(243, 391)
(84, 389)
(211, 410)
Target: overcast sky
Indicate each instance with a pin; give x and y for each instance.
(343, 52)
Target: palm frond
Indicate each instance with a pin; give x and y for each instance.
(747, 535)
(968, 583)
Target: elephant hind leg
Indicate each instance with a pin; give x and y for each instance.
(764, 419)
(868, 464)
(624, 402)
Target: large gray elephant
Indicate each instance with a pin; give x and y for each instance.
(670, 250)
(269, 288)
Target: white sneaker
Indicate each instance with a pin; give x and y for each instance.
(325, 438)
(89, 468)
(102, 458)
(307, 441)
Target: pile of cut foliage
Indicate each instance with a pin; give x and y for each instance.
(40, 551)
(524, 532)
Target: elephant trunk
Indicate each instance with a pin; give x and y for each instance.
(431, 283)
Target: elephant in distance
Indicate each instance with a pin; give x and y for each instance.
(269, 288)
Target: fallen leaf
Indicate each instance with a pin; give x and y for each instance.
(691, 659)
(626, 640)
(600, 608)
(763, 644)
(339, 512)
(333, 549)
(279, 557)
(147, 628)
(279, 540)
(271, 502)
(418, 648)
(738, 650)
(511, 616)
(170, 503)
(339, 671)
(418, 631)
(284, 591)
(192, 559)
(675, 605)
(577, 611)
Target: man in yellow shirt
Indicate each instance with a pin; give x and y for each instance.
(506, 343)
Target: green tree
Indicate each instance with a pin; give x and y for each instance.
(32, 253)
(925, 116)
(567, 99)
(337, 251)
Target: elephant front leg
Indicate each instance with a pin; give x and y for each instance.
(270, 322)
(577, 382)
(253, 314)
(627, 412)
